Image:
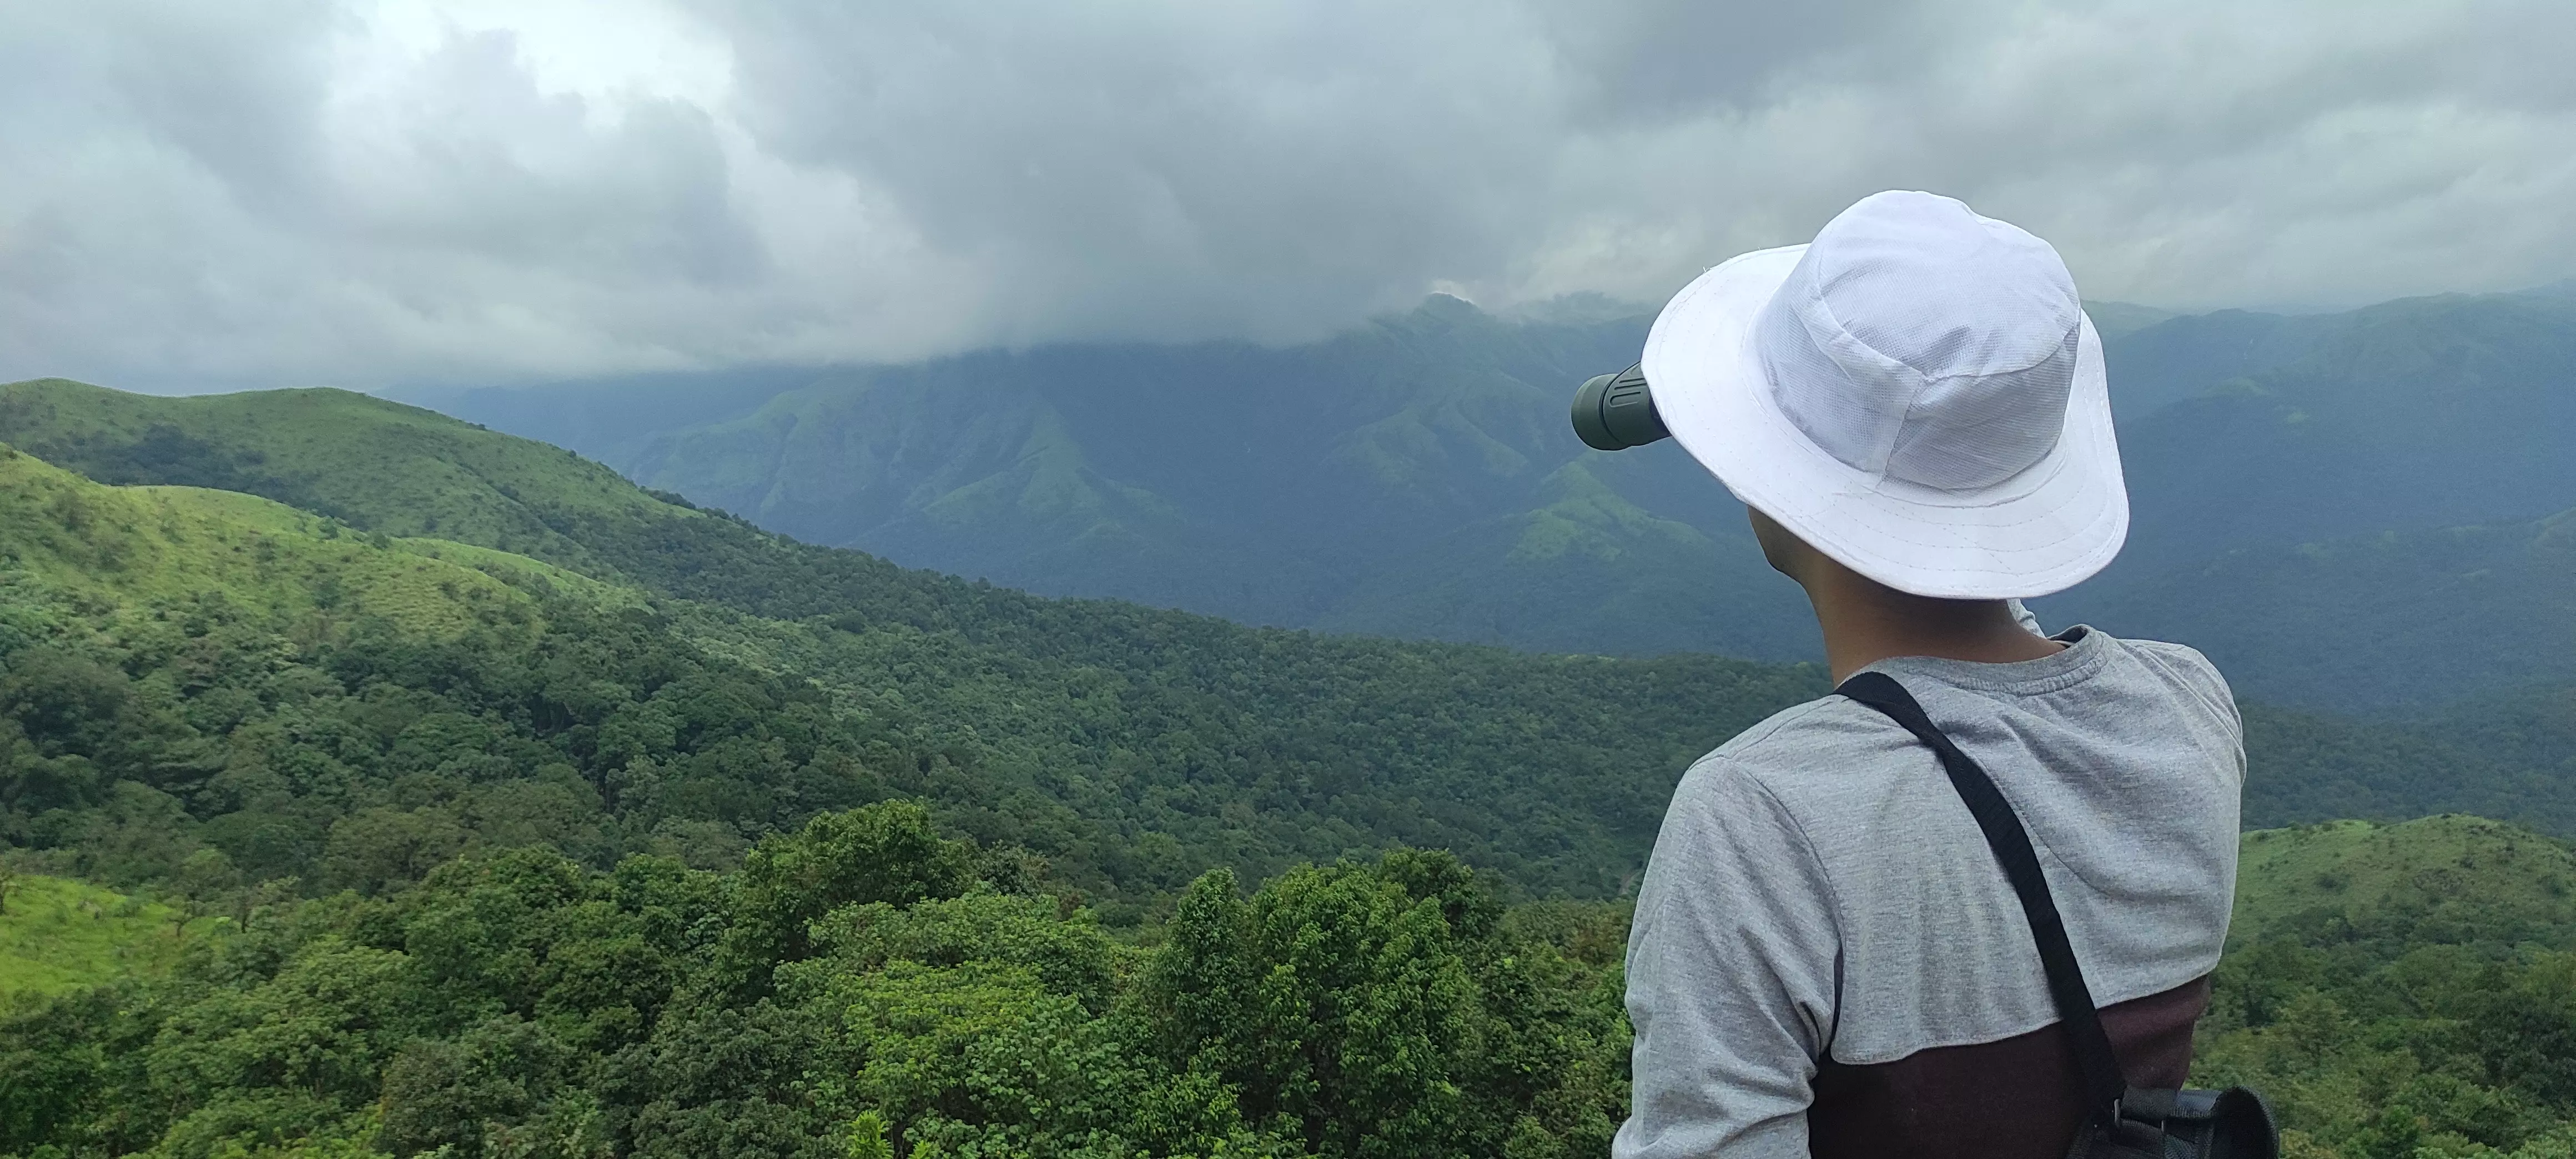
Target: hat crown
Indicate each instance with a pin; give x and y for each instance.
(1918, 341)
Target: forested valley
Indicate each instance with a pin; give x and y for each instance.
(373, 784)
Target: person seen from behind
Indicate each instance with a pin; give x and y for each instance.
(1826, 959)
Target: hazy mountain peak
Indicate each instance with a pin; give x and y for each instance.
(1579, 309)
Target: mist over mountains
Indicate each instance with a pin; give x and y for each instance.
(2345, 510)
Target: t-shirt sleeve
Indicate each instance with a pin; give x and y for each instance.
(2194, 670)
(1731, 977)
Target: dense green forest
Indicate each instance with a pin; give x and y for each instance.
(865, 987)
(464, 798)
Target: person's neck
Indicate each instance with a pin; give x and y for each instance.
(1866, 622)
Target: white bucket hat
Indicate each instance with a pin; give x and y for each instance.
(1917, 393)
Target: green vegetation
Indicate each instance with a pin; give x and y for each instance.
(58, 935)
(2507, 757)
(862, 987)
(2403, 991)
(1091, 730)
(865, 986)
(209, 691)
(312, 697)
(614, 827)
(2419, 620)
(374, 465)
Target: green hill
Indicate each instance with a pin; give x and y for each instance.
(146, 552)
(2454, 878)
(590, 849)
(374, 465)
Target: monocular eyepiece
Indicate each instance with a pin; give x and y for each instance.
(1613, 412)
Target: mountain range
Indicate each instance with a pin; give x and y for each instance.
(2348, 511)
(330, 636)
(473, 632)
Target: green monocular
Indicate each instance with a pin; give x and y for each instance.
(1613, 412)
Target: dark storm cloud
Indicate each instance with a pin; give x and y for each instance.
(294, 192)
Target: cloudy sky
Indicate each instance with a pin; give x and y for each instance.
(257, 193)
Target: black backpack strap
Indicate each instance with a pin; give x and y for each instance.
(2103, 1084)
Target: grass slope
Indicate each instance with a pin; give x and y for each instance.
(2453, 877)
(57, 934)
(2402, 990)
(377, 465)
(150, 551)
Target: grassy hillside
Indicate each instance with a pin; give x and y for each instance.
(2453, 877)
(375, 465)
(154, 551)
(58, 935)
(2403, 990)
(209, 690)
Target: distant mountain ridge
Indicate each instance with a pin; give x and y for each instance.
(1416, 478)
(1334, 485)
(2373, 519)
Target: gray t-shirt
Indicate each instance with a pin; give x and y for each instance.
(1818, 890)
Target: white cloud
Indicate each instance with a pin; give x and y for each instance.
(288, 193)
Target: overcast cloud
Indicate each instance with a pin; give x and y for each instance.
(238, 194)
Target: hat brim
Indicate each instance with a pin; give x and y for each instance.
(2043, 530)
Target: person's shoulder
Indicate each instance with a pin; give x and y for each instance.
(1754, 799)
(2183, 665)
(1821, 736)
